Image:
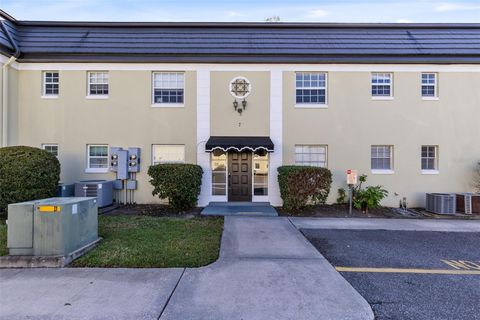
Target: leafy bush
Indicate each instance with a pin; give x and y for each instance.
(342, 196)
(300, 185)
(476, 178)
(369, 197)
(27, 173)
(179, 183)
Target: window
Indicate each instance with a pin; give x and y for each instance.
(260, 173)
(219, 173)
(311, 88)
(168, 87)
(429, 85)
(382, 84)
(98, 83)
(50, 83)
(311, 155)
(168, 153)
(429, 158)
(381, 157)
(52, 148)
(97, 157)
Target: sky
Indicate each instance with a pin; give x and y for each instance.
(419, 11)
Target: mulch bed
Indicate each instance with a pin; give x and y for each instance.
(339, 211)
(152, 210)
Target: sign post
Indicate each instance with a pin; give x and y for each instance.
(352, 178)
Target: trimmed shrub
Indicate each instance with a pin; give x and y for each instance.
(27, 173)
(301, 185)
(179, 183)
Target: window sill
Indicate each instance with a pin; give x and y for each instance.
(383, 172)
(168, 105)
(311, 106)
(96, 170)
(49, 97)
(430, 98)
(96, 97)
(430, 172)
(383, 98)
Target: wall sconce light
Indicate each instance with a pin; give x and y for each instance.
(238, 108)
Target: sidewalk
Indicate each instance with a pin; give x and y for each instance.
(266, 270)
(73, 293)
(388, 224)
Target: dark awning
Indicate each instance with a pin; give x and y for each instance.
(239, 144)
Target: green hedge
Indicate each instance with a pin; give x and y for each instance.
(300, 185)
(27, 173)
(179, 183)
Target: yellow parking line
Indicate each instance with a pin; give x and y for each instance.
(402, 270)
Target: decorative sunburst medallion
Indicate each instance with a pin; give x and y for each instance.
(240, 87)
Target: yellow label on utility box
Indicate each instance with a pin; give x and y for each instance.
(49, 208)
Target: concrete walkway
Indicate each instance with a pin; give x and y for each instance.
(266, 270)
(388, 224)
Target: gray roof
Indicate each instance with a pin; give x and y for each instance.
(41, 41)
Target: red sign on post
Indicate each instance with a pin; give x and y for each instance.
(352, 176)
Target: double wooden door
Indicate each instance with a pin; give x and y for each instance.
(239, 176)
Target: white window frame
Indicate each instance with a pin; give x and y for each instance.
(311, 145)
(379, 97)
(219, 196)
(435, 85)
(167, 145)
(263, 197)
(97, 170)
(315, 105)
(46, 95)
(46, 145)
(436, 158)
(383, 171)
(91, 95)
(168, 104)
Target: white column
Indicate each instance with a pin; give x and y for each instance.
(203, 133)
(276, 134)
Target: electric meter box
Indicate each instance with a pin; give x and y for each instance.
(52, 227)
(133, 159)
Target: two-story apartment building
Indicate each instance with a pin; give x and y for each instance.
(398, 102)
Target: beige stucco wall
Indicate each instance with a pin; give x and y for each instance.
(353, 122)
(11, 105)
(224, 120)
(13, 128)
(1, 101)
(125, 119)
(349, 126)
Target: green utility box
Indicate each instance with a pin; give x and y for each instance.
(52, 227)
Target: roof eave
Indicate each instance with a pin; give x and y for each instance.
(250, 59)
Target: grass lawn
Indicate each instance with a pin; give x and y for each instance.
(154, 242)
(149, 242)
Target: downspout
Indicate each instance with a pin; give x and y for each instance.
(5, 85)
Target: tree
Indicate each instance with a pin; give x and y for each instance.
(273, 19)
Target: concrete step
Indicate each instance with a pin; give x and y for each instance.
(258, 209)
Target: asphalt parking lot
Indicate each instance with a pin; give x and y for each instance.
(408, 274)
